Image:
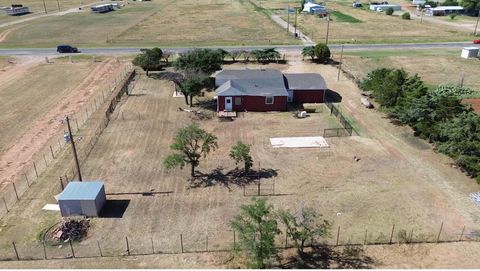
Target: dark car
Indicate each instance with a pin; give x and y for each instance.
(476, 41)
(66, 49)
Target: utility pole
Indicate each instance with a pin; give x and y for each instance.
(295, 34)
(288, 18)
(340, 64)
(74, 149)
(463, 77)
(421, 16)
(476, 25)
(58, 5)
(45, 7)
(328, 28)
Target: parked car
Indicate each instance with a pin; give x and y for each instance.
(67, 49)
(476, 41)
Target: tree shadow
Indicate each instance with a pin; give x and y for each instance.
(324, 257)
(332, 96)
(167, 75)
(232, 177)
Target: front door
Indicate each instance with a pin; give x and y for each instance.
(228, 103)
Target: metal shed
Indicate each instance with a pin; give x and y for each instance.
(470, 52)
(82, 199)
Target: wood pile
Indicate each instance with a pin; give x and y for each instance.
(71, 230)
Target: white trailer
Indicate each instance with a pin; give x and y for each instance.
(12, 11)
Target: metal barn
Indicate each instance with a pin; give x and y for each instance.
(82, 199)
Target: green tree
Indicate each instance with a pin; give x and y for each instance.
(406, 16)
(302, 4)
(309, 51)
(256, 226)
(389, 11)
(472, 7)
(322, 52)
(451, 91)
(200, 60)
(240, 152)
(449, 3)
(304, 226)
(192, 86)
(191, 143)
(386, 85)
(265, 55)
(148, 59)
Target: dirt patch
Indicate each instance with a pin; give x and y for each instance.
(474, 102)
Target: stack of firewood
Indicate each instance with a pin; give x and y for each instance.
(71, 230)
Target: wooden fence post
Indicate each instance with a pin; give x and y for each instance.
(128, 247)
(51, 151)
(338, 234)
(181, 241)
(15, 189)
(153, 248)
(461, 235)
(286, 240)
(16, 252)
(206, 243)
(99, 249)
(234, 241)
(44, 159)
(6, 206)
(44, 250)
(411, 236)
(35, 167)
(391, 234)
(439, 232)
(76, 122)
(71, 248)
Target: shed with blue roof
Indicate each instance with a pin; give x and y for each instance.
(82, 199)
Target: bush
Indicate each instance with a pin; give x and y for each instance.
(406, 16)
(452, 16)
(322, 52)
(389, 11)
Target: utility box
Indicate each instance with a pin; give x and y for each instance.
(470, 52)
(82, 199)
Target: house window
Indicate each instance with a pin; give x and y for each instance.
(238, 100)
(269, 100)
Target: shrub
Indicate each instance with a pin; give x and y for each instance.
(452, 16)
(406, 16)
(389, 11)
(322, 52)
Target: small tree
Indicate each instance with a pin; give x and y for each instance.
(406, 16)
(304, 226)
(241, 152)
(309, 51)
(453, 16)
(322, 52)
(256, 226)
(192, 143)
(148, 59)
(200, 60)
(389, 11)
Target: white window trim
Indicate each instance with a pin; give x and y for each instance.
(266, 99)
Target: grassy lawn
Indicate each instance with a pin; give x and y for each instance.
(435, 67)
(344, 18)
(156, 23)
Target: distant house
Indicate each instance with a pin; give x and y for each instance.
(314, 8)
(266, 90)
(384, 7)
(443, 10)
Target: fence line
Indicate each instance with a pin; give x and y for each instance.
(218, 241)
(347, 129)
(13, 191)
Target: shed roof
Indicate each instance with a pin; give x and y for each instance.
(253, 87)
(248, 74)
(81, 191)
(305, 81)
(448, 8)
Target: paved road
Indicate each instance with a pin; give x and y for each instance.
(285, 48)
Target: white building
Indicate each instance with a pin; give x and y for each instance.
(470, 52)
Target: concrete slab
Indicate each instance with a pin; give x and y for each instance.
(299, 142)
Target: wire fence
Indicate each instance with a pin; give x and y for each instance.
(346, 129)
(12, 191)
(217, 241)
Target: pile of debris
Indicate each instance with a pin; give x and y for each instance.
(71, 230)
(475, 197)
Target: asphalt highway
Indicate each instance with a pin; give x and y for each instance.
(284, 48)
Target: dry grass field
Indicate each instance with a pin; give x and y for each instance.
(37, 7)
(435, 67)
(399, 178)
(374, 27)
(155, 23)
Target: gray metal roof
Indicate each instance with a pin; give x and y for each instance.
(248, 74)
(253, 87)
(312, 81)
(81, 191)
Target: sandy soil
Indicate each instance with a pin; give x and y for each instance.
(21, 153)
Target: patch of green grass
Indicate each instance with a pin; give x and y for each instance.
(376, 55)
(344, 18)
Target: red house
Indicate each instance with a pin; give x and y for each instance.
(266, 90)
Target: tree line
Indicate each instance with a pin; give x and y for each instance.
(436, 115)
